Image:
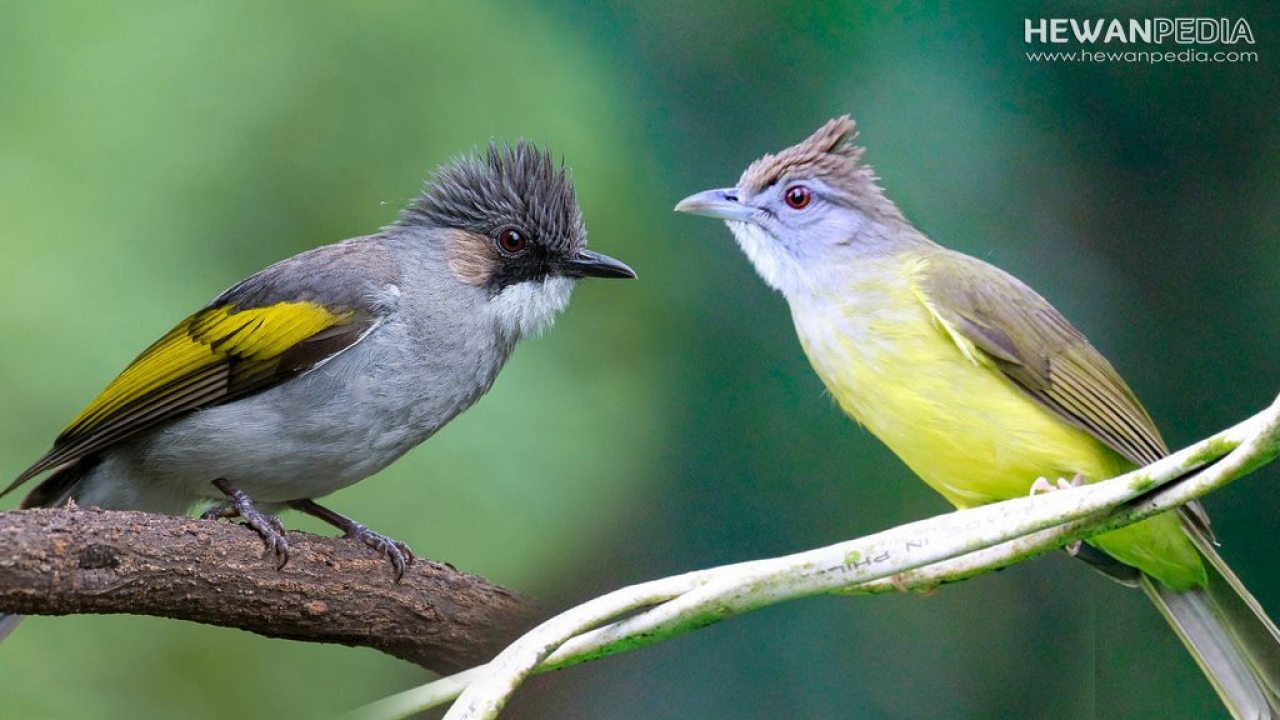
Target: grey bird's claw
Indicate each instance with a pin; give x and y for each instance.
(220, 511)
(239, 505)
(398, 553)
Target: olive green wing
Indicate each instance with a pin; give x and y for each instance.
(985, 309)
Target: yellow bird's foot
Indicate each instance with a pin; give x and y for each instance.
(1043, 485)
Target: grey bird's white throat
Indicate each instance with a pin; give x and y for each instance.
(527, 309)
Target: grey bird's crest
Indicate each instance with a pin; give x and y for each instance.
(520, 186)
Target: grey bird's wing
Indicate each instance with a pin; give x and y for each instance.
(275, 325)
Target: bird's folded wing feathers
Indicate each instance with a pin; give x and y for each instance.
(249, 339)
(1033, 345)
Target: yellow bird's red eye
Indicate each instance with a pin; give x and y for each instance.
(798, 197)
(512, 241)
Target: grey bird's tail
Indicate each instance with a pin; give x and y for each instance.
(53, 491)
(7, 624)
(1229, 635)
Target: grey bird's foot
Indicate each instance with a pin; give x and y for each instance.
(240, 505)
(397, 552)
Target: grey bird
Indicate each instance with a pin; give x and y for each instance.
(324, 368)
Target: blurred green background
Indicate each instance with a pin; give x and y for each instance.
(152, 153)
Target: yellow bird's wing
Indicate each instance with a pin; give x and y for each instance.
(1029, 341)
(1033, 345)
(249, 339)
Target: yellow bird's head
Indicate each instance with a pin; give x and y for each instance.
(807, 212)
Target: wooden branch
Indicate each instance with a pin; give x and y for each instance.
(71, 560)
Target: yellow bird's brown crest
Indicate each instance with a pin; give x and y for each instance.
(829, 153)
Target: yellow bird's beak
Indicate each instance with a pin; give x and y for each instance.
(723, 204)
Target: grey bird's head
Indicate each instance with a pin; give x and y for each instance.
(511, 227)
(808, 212)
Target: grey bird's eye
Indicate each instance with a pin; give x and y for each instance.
(512, 242)
(797, 197)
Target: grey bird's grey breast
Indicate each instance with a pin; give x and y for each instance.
(431, 353)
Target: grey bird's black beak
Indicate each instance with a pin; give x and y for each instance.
(723, 204)
(588, 263)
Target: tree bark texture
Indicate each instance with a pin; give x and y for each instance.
(72, 560)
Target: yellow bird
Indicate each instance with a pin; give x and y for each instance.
(979, 384)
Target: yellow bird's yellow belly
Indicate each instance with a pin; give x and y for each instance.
(955, 420)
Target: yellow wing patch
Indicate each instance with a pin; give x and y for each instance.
(204, 341)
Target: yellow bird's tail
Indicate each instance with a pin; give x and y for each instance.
(1231, 638)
